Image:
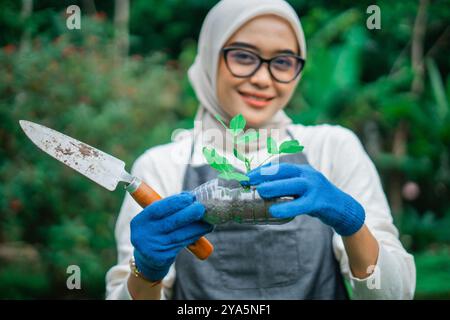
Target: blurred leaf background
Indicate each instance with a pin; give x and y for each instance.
(120, 84)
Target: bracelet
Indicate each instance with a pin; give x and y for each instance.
(138, 274)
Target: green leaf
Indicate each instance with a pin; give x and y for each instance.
(272, 146)
(237, 124)
(248, 164)
(234, 176)
(222, 165)
(226, 176)
(216, 161)
(238, 155)
(291, 146)
(208, 154)
(248, 137)
(221, 121)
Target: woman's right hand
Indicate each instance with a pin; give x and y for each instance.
(162, 229)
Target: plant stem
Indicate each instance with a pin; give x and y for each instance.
(222, 123)
(235, 146)
(265, 161)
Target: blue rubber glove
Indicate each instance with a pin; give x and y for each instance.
(162, 229)
(314, 195)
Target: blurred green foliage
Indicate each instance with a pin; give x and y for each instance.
(74, 82)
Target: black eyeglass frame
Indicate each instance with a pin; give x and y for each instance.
(262, 61)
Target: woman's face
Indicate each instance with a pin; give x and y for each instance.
(266, 36)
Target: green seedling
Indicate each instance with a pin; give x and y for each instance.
(236, 128)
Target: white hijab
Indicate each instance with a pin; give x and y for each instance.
(222, 21)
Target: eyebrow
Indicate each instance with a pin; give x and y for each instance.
(250, 46)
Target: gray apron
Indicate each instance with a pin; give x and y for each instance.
(289, 261)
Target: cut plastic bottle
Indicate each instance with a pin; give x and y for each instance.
(228, 201)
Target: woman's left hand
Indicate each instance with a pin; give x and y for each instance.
(314, 195)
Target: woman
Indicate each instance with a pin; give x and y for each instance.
(250, 57)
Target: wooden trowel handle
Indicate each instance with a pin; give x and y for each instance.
(145, 195)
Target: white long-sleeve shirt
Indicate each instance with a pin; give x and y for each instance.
(334, 151)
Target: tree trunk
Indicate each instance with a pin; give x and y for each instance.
(25, 13)
(401, 133)
(417, 60)
(89, 7)
(121, 17)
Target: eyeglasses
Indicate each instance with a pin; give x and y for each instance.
(243, 63)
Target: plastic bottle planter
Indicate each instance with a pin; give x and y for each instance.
(226, 200)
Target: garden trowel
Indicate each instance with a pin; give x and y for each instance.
(101, 168)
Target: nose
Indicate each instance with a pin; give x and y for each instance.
(262, 77)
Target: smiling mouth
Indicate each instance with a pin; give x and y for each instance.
(255, 101)
(254, 97)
